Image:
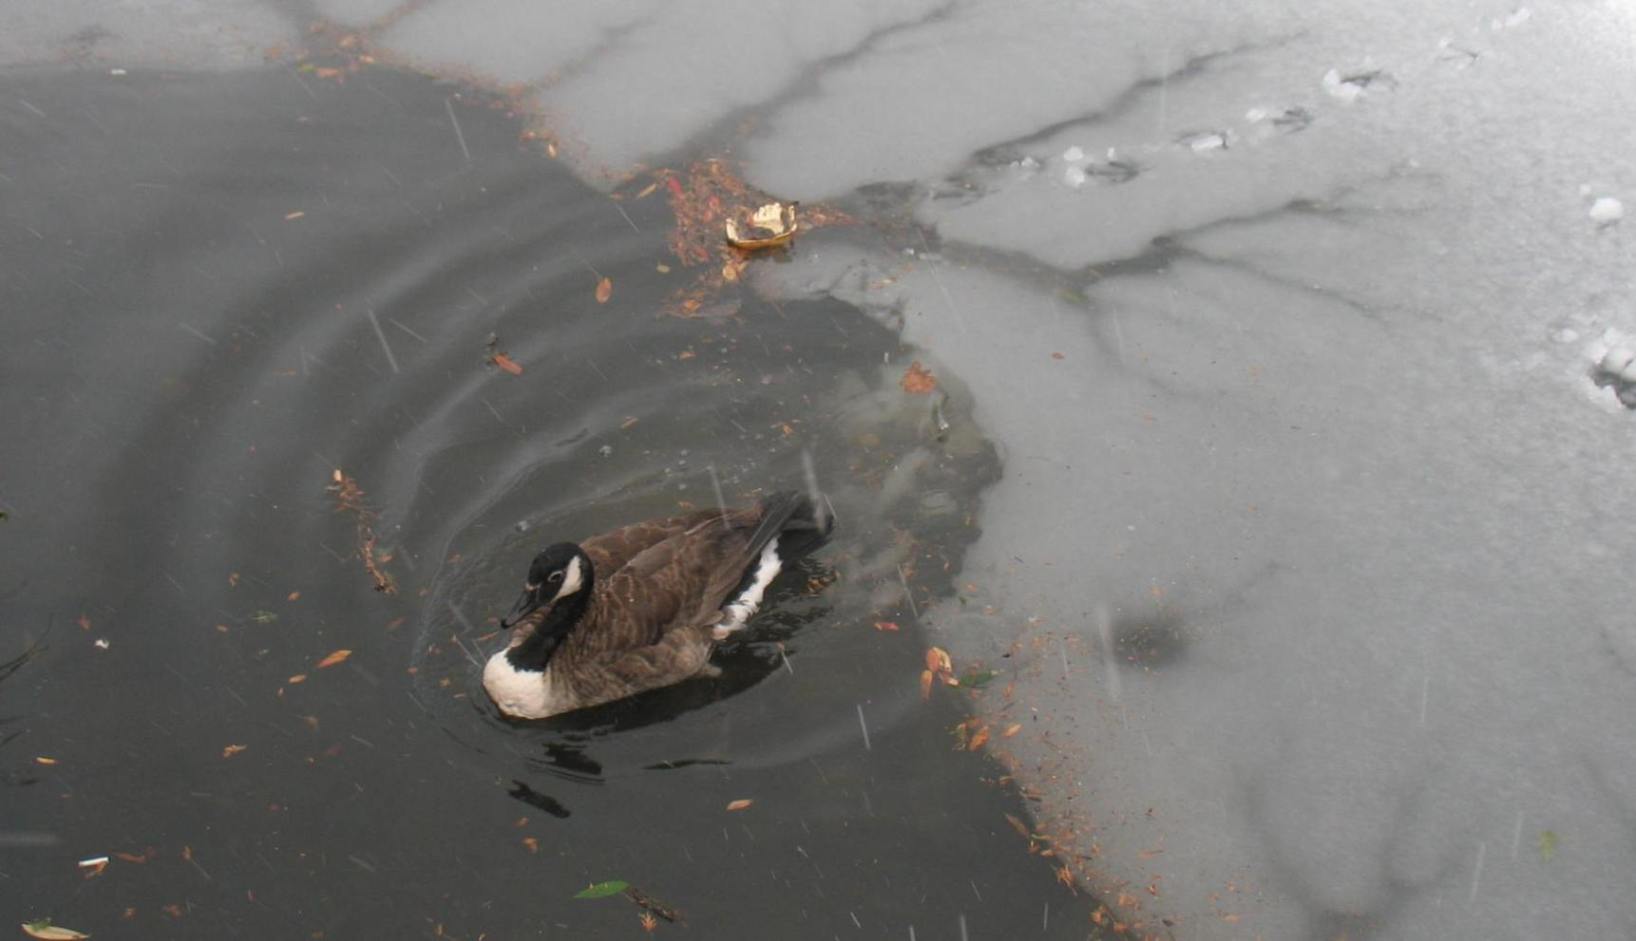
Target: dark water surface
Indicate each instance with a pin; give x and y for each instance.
(186, 362)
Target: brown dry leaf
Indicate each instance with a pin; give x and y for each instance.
(46, 931)
(132, 857)
(84, 622)
(918, 380)
(1058, 356)
(298, 678)
(233, 580)
(232, 750)
(532, 843)
(1019, 826)
(507, 363)
(338, 656)
(925, 684)
(629, 422)
(978, 740)
(294, 596)
(604, 290)
(739, 804)
(886, 625)
(1012, 729)
(291, 216)
(647, 191)
(43, 760)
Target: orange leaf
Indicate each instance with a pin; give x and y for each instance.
(338, 656)
(978, 740)
(739, 804)
(294, 596)
(232, 750)
(84, 623)
(1013, 729)
(917, 380)
(604, 290)
(886, 625)
(532, 843)
(298, 678)
(507, 363)
(925, 684)
(43, 760)
(937, 660)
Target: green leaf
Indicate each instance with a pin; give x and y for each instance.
(601, 890)
(977, 679)
(1547, 845)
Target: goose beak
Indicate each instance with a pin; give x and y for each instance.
(523, 608)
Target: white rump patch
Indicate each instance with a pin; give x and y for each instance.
(525, 694)
(741, 609)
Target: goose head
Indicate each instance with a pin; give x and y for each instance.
(557, 573)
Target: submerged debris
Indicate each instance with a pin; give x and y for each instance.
(349, 498)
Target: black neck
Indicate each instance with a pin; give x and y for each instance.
(554, 625)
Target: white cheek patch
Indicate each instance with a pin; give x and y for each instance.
(573, 581)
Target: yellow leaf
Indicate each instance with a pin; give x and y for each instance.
(739, 804)
(604, 290)
(46, 931)
(43, 760)
(338, 656)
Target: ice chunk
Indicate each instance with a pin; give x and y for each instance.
(1074, 176)
(1607, 210)
(1345, 91)
(1616, 359)
(1074, 155)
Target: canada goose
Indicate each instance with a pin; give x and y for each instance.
(641, 607)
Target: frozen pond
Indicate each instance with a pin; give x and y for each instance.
(1297, 332)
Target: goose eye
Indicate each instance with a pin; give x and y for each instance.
(554, 577)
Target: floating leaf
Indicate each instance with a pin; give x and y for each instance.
(263, 617)
(886, 625)
(1012, 729)
(978, 739)
(918, 380)
(925, 684)
(739, 804)
(604, 290)
(232, 750)
(601, 890)
(294, 596)
(1019, 826)
(338, 656)
(977, 679)
(507, 363)
(1547, 845)
(46, 931)
(43, 760)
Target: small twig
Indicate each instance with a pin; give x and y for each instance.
(650, 904)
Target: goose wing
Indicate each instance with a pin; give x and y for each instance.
(610, 551)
